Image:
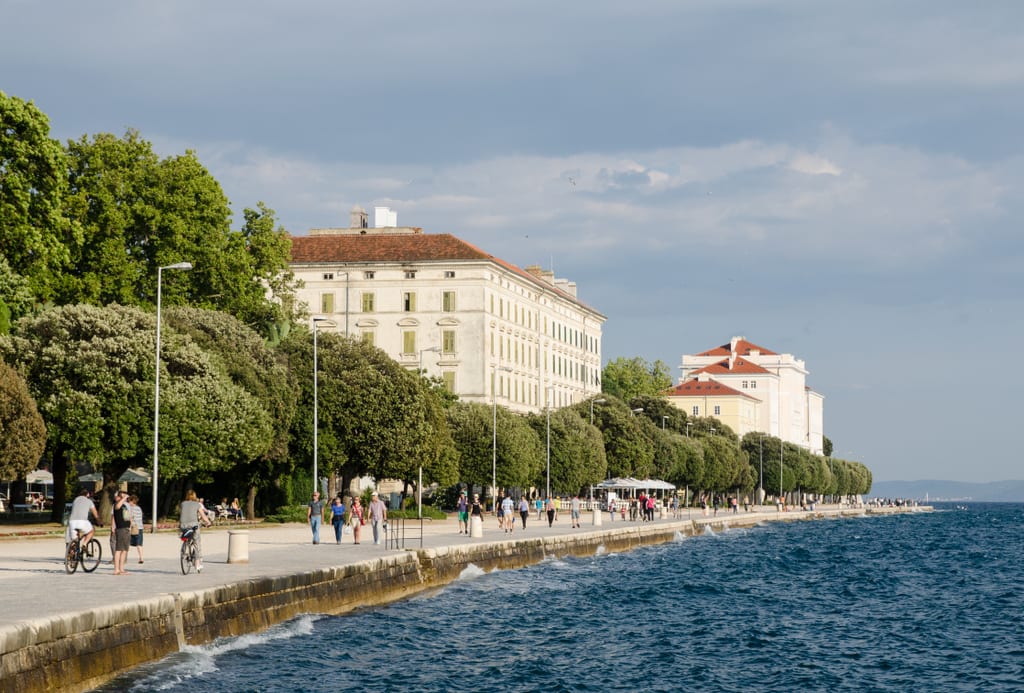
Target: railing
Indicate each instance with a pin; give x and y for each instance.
(401, 531)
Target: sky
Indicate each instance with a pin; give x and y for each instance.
(837, 181)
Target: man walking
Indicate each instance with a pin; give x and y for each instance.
(315, 514)
(378, 516)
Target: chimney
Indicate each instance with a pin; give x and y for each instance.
(358, 218)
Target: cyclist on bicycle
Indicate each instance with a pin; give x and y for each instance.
(193, 514)
(78, 519)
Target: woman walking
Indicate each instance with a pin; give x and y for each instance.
(337, 518)
(356, 519)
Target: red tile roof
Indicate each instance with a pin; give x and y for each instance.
(406, 248)
(742, 347)
(704, 388)
(739, 366)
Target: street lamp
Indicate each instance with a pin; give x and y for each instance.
(346, 304)
(494, 431)
(435, 349)
(663, 420)
(316, 418)
(547, 405)
(592, 403)
(637, 410)
(688, 424)
(156, 395)
(760, 482)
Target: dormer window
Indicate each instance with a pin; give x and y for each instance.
(410, 274)
(328, 276)
(368, 275)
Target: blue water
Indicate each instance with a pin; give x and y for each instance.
(924, 602)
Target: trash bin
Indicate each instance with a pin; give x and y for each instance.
(238, 546)
(476, 526)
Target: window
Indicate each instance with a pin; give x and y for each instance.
(368, 338)
(368, 302)
(449, 274)
(408, 342)
(448, 301)
(368, 275)
(753, 384)
(448, 341)
(409, 301)
(326, 303)
(328, 276)
(449, 380)
(718, 410)
(696, 411)
(410, 274)
(744, 385)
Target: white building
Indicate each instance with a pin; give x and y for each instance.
(437, 302)
(769, 392)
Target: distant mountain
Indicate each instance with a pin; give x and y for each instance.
(993, 491)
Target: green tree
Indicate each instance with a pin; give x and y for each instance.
(22, 431)
(91, 371)
(241, 355)
(15, 296)
(629, 449)
(139, 212)
(577, 451)
(33, 230)
(631, 378)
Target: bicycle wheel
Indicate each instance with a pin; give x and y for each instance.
(188, 556)
(91, 555)
(71, 557)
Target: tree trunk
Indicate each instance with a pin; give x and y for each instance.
(250, 502)
(60, 475)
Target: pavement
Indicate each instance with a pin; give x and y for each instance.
(34, 584)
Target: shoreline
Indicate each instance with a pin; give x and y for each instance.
(78, 649)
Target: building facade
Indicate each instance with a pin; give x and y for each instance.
(491, 331)
(763, 391)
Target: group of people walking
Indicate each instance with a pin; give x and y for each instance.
(508, 509)
(354, 517)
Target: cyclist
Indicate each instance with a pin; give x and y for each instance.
(193, 514)
(78, 519)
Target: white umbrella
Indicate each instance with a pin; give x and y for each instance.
(39, 476)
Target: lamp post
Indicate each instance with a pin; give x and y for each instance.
(592, 403)
(637, 410)
(781, 450)
(435, 349)
(346, 304)
(156, 394)
(760, 479)
(688, 424)
(494, 431)
(547, 405)
(663, 420)
(316, 418)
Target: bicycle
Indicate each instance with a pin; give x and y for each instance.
(88, 556)
(189, 550)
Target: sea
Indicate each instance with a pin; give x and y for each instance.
(927, 601)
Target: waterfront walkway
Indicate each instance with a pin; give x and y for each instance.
(34, 584)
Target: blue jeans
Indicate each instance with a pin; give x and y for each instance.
(314, 523)
(338, 523)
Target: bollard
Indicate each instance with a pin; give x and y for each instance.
(476, 526)
(664, 512)
(597, 516)
(238, 546)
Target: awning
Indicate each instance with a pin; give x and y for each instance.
(95, 476)
(632, 484)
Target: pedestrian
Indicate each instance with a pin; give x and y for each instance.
(611, 509)
(378, 516)
(337, 517)
(650, 508)
(315, 514)
(463, 507)
(574, 510)
(550, 507)
(524, 509)
(675, 507)
(136, 528)
(191, 514)
(540, 508)
(509, 513)
(476, 511)
(121, 527)
(356, 519)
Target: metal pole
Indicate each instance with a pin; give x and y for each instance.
(156, 392)
(316, 419)
(346, 304)
(548, 407)
(494, 433)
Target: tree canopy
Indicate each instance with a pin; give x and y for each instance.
(630, 378)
